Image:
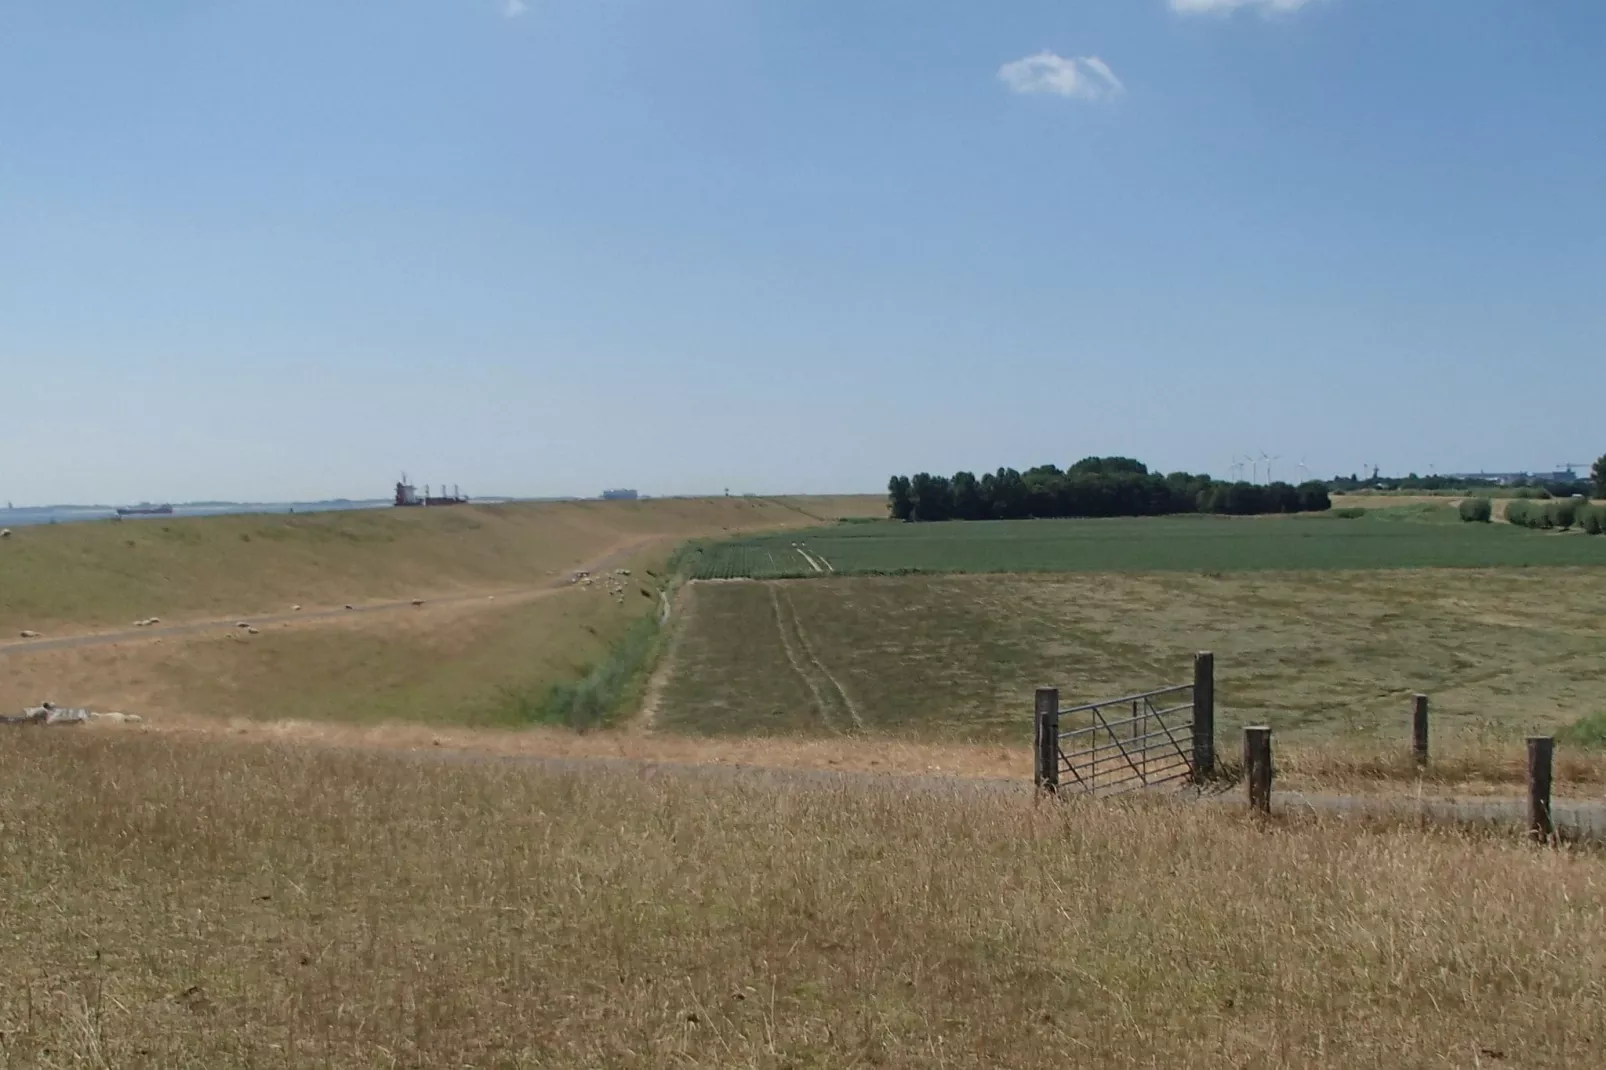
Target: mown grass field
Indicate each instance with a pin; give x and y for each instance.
(1321, 655)
(174, 904)
(484, 663)
(104, 574)
(1412, 536)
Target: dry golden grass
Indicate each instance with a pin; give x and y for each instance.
(1392, 501)
(74, 577)
(829, 508)
(631, 742)
(456, 664)
(480, 661)
(460, 662)
(1460, 765)
(173, 904)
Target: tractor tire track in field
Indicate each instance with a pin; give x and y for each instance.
(816, 560)
(827, 690)
(802, 661)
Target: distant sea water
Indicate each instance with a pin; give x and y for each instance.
(73, 514)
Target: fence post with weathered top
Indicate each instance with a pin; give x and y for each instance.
(1419, 730)
(1541, 749)
(1257, 767)
(1204, 716)
(1048, 738)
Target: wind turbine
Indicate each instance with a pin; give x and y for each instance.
(1268, 459)
(1304, 471)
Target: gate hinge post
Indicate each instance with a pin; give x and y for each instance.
(1204, 716)
(1047, 720)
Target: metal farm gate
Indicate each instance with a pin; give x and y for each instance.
(1159, 737)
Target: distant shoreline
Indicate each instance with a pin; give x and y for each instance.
(33, 516)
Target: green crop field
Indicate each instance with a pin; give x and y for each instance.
(1412, 537)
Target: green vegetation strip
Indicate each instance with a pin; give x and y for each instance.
(1419, 537)
(612, 685)
(615, 684)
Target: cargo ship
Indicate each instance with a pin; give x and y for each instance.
(407, 495)
(144, 509)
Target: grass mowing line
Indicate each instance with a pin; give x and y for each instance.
(796, 662)
(814, 659)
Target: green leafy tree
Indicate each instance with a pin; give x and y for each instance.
(933, 497)
(1313, 497)
(1108, 466)
(1010, 495)
(900, 502)
(1598, 474)
(968, 503)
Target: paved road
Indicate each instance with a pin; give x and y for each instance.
(183, 628)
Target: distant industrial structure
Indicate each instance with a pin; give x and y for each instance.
(621, 495)
(407, 495)
(1567, 473)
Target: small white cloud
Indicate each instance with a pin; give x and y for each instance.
(1080, 77)
(1227, 7)
(514, 8)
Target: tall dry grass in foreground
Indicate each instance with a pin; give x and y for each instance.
(172, 903)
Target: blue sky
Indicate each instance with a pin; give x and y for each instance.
(284, 248)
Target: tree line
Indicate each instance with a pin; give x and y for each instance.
(1092, 487)
(1561, 515)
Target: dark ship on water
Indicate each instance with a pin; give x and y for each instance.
(145, 509)
(407, 495)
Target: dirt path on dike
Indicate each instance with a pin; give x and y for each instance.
(615, 554)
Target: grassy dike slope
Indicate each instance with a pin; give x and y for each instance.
(75, 577)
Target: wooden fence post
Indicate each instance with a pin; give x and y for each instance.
(1419, 730)
(1204, 716)
(1048, 738)
(1257, 767)
(1540, 751)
